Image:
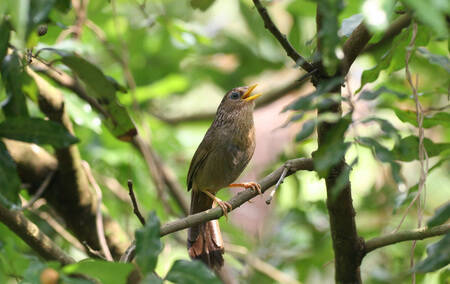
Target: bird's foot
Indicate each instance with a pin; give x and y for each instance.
(226, 206)
(253, 185)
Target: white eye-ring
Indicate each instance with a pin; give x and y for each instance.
(234, 95)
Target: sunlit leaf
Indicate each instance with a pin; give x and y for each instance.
(191, 272)
(372, 95)
(407, 149)
(9, 179)
(438, 256)
(440, 118)
(441, 216)
(148, 244)
(36, 130)
(432, 13)
(440, 60)
(104, 271)
(103, 90)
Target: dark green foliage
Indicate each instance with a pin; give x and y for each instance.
(148, 244)
(9, 179)
(191, 272)
(438, 256)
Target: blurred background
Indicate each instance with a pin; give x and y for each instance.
(177, 62)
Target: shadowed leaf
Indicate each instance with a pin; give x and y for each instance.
(191, 272)
(9, 179)
(104, 271)
(37, 130)
(148, 244)
(441, 216)
(438, 256)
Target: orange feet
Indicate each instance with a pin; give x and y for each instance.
(226, 206)
(253, 185)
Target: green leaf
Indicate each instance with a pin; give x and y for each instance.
(385, 126)
(104, 271)
(5, 30)
(148, 244)
(201, 4)
(191, 272)
(439, 60)
(63, 5)
(438, 256)
(12, 76)
(103, 90)
(407, 149)
(372, 95)
(37, 130)
(441, 216)
(328, 35)
(431, 13)
(151, 278)
(308, 102)
(38, 13)
(9, 179)
(333, 149)
(440, 118)
(307, 129)
(343, 179)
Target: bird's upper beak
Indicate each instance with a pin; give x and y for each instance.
(247, 94)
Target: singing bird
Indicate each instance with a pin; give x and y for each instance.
(220, 158)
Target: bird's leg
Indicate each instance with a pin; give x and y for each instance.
(253, 185)
(223, 204)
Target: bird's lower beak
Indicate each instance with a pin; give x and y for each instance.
(247, 94)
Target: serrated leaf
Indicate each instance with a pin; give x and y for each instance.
(104, 271)
(12, 77)
(440, 118)
(438, 256)
(36, 130)
(307, 129)
(148, 244)
(9, 179)
(407, 149)
(191, 272)
(118, 120)
(372, 95)
(441, 216)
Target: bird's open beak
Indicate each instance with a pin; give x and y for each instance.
(247, 94)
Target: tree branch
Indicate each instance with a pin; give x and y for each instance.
(266, 99)
(290, 50)
(411, 235)
(239, 199)
(30, 233)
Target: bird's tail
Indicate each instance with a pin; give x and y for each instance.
(205, 240)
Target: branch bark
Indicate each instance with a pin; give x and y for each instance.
(411, 235)
(290, 50)
(30, 233)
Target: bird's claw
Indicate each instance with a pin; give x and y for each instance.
(226, 206)
(253, 185)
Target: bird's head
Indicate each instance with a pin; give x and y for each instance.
(238, 99)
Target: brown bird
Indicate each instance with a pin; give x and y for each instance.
(220, 158)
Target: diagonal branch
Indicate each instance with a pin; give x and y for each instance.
(417, 234)
(290, 50)
(33, 236)
(239, 199)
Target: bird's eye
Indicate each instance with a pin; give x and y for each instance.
(234, 95)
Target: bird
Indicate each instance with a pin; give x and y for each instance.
(223, 154)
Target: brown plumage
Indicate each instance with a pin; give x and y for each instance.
(220, 158)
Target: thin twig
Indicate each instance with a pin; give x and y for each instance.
(99, 217)
(39, 192)
(260, 265)
(135, 204)
(402, 236)
(93, 251)
(290, 50)
(280, 181)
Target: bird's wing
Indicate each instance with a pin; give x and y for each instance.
(199, 157)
